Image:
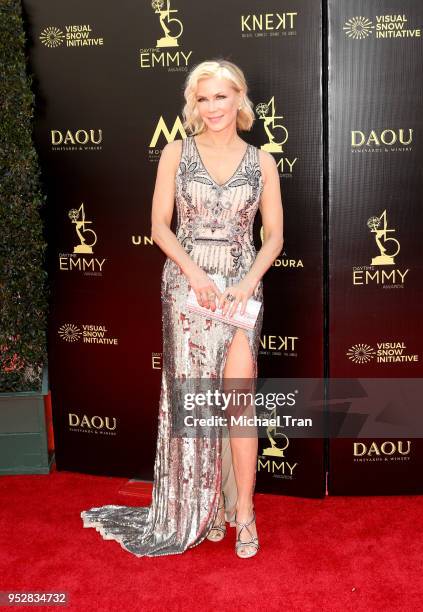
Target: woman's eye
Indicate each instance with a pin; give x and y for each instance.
(219, 96)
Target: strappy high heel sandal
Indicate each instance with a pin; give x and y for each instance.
(253, 542)
(218, 531)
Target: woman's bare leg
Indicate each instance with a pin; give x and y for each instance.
(239, 365)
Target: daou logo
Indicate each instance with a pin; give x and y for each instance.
(94, 422)
(386, 448)
(78, 137)
(387, 137)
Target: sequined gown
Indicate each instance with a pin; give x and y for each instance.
(214, 226)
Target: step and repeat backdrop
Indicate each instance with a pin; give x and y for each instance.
(375, 222)
(109, 93)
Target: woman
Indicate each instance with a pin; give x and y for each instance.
(218, 182)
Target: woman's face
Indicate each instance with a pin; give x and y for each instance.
(217, 102)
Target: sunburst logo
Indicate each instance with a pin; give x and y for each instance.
(361, 353)
(52, 37)
(358, 27)
(69, 332)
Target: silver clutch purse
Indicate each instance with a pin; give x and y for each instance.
(246, 321)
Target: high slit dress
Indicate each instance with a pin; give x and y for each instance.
(215, 227)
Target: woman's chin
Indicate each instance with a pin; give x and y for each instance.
(216, 127)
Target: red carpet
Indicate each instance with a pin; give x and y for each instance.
(337, 554)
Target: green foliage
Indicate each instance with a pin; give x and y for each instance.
(23, 278)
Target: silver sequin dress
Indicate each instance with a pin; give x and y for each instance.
(215, 224)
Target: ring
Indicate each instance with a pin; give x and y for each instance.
(230, 297)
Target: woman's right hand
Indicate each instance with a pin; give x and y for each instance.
(204, 288)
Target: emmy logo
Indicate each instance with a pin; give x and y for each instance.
(168, 40)
(266, 112)
(381, 233)
(273, 432)
(87, 236)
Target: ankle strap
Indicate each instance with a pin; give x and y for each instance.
(246, 524)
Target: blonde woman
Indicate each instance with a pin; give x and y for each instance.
(218, 182)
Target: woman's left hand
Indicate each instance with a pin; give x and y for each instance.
(241, 292)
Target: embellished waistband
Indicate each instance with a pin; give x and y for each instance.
(212, 241)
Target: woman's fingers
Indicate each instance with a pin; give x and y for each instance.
(199, 298)
(222, 300)
(224, 303)
(206, 297)
(211, 297)
(234, 306)
(216, 290)
(229, 306)
(212, 301)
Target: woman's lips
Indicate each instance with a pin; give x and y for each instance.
(215, 119)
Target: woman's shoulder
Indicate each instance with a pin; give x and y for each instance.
(267, 162)
(266, 159)
(265, 156)
(174, 147)
(171, 153)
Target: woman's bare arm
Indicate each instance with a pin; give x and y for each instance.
(272, 216)
(163, 205)
(161, 219)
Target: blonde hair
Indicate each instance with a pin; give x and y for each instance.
(220, 68)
